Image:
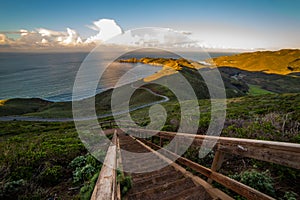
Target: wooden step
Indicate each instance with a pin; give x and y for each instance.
(141, 176)
(166, 183)
(194, 193)
(147, 158)
(162, 191)
(158, 180)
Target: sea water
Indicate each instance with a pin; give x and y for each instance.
(51, 76)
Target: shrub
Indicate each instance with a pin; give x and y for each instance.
(11, 189)
(93, 161)
(77, 162)
(168, 128)
(260, 181)
(125, 182)
(290, 195)
(51, 175)
(87, 190)
(22, 172)
(84, 173)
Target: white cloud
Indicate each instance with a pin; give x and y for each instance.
(107, 28)
(44, 41)
(23, 32)
(154, 37)
(42, 37)
(48, 33)
(72, 38)
(109, 32)
(3, 39)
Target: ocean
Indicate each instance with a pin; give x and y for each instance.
(51, 76)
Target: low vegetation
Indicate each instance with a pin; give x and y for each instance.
(257, 90)
(47, 159)
(35, 158)
(283, 62)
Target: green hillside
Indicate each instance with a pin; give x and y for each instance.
(277, 62)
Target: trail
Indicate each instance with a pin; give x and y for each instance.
(39, 119)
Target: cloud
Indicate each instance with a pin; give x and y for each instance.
(109, 32)
(72, 38)
(154, 37)
(42, 37)
(48, 33)
(107, 28)
(64, 38)
(3, 39)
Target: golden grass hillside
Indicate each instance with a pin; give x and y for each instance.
(283, 62)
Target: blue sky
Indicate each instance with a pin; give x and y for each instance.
(233, 23)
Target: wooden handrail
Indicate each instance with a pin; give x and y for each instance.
(106, 186)
(282, 153)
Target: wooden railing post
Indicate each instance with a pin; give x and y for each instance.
(217, 162)
(160, 142)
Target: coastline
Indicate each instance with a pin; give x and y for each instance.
(68, 119)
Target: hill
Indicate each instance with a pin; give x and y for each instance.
(35, 107)
(283, 62)
(237, 82)
(189, 69)
(275, 83)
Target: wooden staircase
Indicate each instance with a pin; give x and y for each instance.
(170, 180)
(166, 183)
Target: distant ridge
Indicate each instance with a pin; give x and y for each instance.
(283, 62)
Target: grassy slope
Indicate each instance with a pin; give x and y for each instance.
(279, 62)
(236, 80)
(30, 148)
(264, 114)
(257, 90)
(42, 108)
(21, 106)
(189, 69)
(39, 154)
(272, 82)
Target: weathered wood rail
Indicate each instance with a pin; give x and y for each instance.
(106, 186)
(287, 154)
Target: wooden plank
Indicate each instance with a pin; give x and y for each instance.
(105, 188)
(229, 183)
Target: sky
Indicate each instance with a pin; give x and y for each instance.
(231, 24)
